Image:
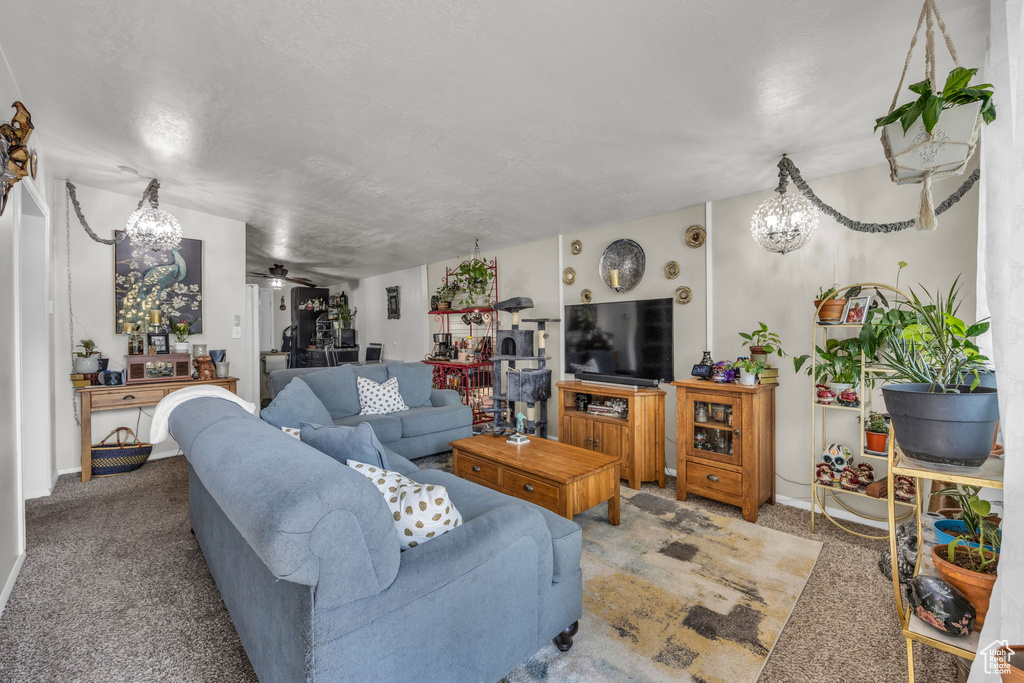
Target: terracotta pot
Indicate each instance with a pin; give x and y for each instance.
(976, 587)
(757, 353)
(831, 311)
(876, 442)
(444, 305)
(1011, 673)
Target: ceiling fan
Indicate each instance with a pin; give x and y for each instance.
(278, 275)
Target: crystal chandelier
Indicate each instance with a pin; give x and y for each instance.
(151, 227)
(784, 222)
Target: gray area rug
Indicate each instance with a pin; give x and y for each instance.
(115, 589)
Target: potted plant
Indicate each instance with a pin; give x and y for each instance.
(967, 522)
(474, 279)
(830, 309)
(838, 364)
(446, 294)
(87, 360)
(181, 329)
(749, 370)
(937, 416)
(763, 343)
(971, 569)
(956, 111)
(347, 315)
(876, 432)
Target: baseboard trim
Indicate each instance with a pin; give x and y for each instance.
(152, 456)
(9, 585)
(837, 513)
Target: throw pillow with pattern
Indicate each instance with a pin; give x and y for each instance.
(379, 399)
(421, 511)
(291, 431)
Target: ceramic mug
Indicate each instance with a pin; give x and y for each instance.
(222, 369)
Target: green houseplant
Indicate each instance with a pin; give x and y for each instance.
(972, 520)
(346, 315)
(749, 370)
(876, 433)
(940, 411)
(446, 294)
(971, 567)
(829, 308)
(838, 363)
(763, 343)
(474, 279)
(87, 360)
(929, 105)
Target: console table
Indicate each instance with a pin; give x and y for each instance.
(129, 396)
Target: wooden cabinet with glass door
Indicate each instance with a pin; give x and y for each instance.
(725, 445)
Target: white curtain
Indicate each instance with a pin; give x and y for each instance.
(1001, 271)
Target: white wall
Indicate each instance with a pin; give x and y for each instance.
(404, 339)
(93, 302)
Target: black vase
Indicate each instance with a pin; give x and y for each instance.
(945, 428)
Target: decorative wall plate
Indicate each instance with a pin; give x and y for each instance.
(695, 236)
(683, 295)
(586, 295)
(671, 270)
(569, 276)
(627, 258)
(576, 246)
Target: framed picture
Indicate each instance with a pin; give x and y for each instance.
(171, 281)
(856, 309)
(394, 305)
(160, 341)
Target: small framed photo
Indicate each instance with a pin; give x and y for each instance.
(857, 309)
(160, 341)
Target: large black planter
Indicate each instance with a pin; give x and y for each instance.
(944, 428)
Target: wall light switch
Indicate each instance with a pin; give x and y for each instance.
(236, 332)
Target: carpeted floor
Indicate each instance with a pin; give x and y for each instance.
(115, 589)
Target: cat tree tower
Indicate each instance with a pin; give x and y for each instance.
(531, 386)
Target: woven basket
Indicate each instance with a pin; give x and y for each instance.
(124, 456)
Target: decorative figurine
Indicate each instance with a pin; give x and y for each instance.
(204, 366)
(941, 605)
(823, 473)
(905, 489)
(700, 412)
(906, 557)
(825, 395)
(848, 480)
(724, 372)
(838, 457)
(519, 438)
(848, 397)
(582, 401)
(865, 472)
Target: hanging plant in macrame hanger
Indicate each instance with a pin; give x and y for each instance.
(936, 135)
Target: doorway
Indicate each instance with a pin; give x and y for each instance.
(34, 339)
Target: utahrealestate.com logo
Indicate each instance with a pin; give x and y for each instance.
(996, 657)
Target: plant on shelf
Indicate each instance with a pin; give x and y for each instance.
(749, 369)
(830, 309)
(88, 347)
(838, 363)
(182, 329)
(929, 105)
(939, 409)
(346, 315)
(474, 278)
(446, 294)
(86, 361)
(876, 432)
(972, 521)
(971, 565)
(763, 343)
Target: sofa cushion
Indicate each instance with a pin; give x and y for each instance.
(344, 443)
(294, 405)
(415, 382)
(400, 464)
(380, 399)
(421, 511)
(474, 500)
(378, 372)
(388, 428)
(427, 420)
(336, 387)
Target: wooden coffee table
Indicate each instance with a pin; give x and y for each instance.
(564, 479)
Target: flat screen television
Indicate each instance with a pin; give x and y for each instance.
(628, 342)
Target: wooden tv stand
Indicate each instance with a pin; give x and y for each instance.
(638, 439)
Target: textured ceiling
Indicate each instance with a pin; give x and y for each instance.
(363, 136)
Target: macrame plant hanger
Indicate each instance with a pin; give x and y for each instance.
(926, 216)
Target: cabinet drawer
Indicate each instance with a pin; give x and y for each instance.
(528, 488)
(478, 470)
(129, 397)
(717, 479)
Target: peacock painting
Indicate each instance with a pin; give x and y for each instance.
(170, 281)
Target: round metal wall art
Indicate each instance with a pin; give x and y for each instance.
(569, 276)
(683, 295)
(586, 295)
(671, 270)
(695, 236)
(627, 258)
(576, 247)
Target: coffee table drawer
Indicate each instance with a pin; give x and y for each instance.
(530, 489)
(478, 470)
(725, 481)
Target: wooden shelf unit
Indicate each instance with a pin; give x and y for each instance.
(989, 475)
(638, 439)
(743, 474)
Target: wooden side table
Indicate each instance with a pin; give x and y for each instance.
(130, 396)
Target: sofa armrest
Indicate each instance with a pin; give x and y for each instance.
(444, 397)
(444, 559)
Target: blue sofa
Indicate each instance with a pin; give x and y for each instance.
(435, 417)
(306, 556)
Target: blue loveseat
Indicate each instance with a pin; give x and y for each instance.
(435, 417)
(306, 556)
